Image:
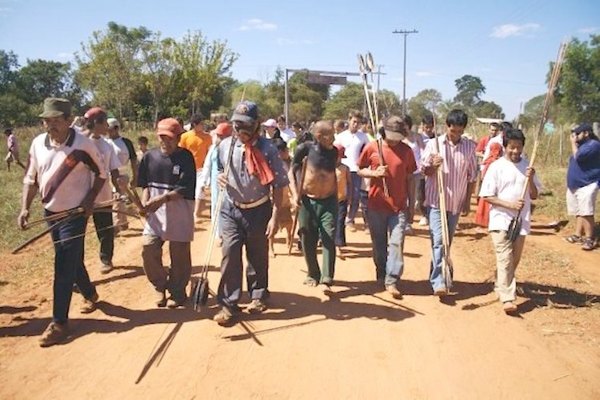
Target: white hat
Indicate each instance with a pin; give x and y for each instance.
(113, 122)
(270, 123)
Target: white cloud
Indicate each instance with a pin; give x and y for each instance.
(508, 30)
(256, 24)
(589, 30)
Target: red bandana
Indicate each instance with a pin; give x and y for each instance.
(257, 165)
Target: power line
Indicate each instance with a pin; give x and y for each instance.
(405, 33)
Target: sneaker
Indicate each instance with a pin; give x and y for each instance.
(509, 307)
(106, 268)
(423, 221)
(393, 290)
(160, 299)
(442, 291)
(223, 317)
(257, 306)
(89, 305)
(175, 303)
(588, 244)
(55, 333)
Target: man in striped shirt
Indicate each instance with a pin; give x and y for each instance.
(457, 158)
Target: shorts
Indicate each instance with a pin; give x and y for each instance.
(12, 156)
(582, 201)
(199, 194)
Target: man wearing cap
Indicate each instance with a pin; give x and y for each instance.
(456, 157)
(583, 178)
(197, 142)
(167, 176)
(125, 155)
(318, 204)
(248, 217)
(388, 214)
(60, 162)
(96, 127)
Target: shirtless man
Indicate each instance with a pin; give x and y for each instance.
(318, 203)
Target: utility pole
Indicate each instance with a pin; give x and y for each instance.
(405, 33)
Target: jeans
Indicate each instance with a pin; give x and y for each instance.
(354, 196)
(68, 266)
(106, 234)
(340, 228)
(388, 252)
(437, 246)
(317, 218)
(239, 228)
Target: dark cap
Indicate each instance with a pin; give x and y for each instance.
(395, 128)
(583, 127)
(56, 107)
(246, 111)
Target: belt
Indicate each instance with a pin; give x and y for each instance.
(245, 206)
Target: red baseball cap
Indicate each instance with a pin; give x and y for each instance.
(223, 130)
(94, 113)
(169, 127)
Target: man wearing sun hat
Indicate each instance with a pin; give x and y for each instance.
(68, 171)
(168, 177)
(248, 218)
(387, 211)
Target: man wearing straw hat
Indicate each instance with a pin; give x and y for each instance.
(168, 178)
(60, 162)
(247, 217)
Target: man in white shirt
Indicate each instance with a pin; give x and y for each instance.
(353, 141)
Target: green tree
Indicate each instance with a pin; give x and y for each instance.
(487, 109)
(423, 103)
(350, 97)
(110, 66)
(469, 90)
(40, 79)
(578, 89)
(9, 64)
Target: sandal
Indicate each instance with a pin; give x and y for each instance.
(573, 239)
(588, 244)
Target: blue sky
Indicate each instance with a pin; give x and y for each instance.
(508, 44)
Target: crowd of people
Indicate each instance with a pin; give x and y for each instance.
(268, 172)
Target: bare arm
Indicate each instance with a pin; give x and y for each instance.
(88, 201)
(29, 192)
(277, 200)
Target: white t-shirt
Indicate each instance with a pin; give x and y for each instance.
(505, 180)
(353, 144)
(287, 134)
(111, 162)
(122, 153)
(63, 172)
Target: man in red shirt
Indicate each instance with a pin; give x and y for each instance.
(388, 213)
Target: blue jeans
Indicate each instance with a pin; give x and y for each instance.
(437, 246)
(103, 222)
(388, 253)
(68, 266)
(241, 228)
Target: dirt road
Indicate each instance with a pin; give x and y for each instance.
(358, 344)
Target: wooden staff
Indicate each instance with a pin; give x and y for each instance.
(299, 196)
(514, 227)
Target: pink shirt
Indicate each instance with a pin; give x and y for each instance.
(460, 168)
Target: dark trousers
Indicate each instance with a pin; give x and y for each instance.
(103, 222)
(241, 228)
(318, 218)
(340, 228)
(68, 266)
(354, 196)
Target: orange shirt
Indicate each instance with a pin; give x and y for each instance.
(198, 144)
